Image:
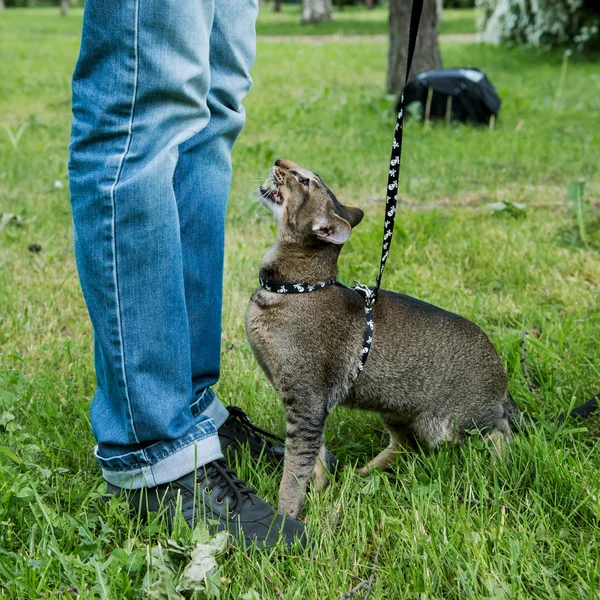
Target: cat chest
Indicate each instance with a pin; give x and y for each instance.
(275, 320)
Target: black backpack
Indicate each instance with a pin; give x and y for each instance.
(461, 94)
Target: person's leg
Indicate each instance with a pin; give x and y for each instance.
(139, 91)
(202, 182)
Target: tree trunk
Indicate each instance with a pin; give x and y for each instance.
(277, 5)
(427, 51)
(1, 5)
(316, 11)
(440, 10)
(370, 4)
(64, 7)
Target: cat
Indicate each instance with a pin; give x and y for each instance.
(430, 374)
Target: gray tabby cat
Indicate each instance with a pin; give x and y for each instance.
(431, 374)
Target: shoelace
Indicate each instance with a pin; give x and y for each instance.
(238, 415)
(219, 474)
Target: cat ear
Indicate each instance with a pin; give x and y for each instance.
(353, 215)
(335, 230)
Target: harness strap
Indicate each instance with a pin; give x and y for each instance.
(284, 287)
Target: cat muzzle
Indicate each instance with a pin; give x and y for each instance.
(269, 192)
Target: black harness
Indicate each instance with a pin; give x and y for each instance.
(370, 293)
(280, 287)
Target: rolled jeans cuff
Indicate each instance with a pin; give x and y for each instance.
(208, 405)
(164, 461)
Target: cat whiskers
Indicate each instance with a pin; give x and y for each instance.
(255, 194)
(259, 198)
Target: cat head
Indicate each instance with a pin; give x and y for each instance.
(306, 211)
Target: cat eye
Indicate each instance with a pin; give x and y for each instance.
(301, 180)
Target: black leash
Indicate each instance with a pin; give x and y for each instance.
(394, 173)
(370, 293)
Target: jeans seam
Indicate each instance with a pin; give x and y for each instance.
(197, 400)
(114, 218)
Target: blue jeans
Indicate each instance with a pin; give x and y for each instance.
(157, 94)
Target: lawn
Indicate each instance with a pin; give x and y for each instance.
(352, 20)
(449, 524)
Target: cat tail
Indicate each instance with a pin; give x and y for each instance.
(521, 421)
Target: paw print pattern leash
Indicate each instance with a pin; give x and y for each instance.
(370, 293)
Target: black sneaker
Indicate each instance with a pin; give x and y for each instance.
(239, 430)
(215, 495)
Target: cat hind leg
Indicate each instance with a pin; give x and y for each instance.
(400, 438)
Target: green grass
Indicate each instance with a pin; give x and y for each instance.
(458, 21)
(352, 20)
(448, 524)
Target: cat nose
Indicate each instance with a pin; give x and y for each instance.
(285, 164)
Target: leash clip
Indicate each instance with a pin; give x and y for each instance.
(368, 293)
